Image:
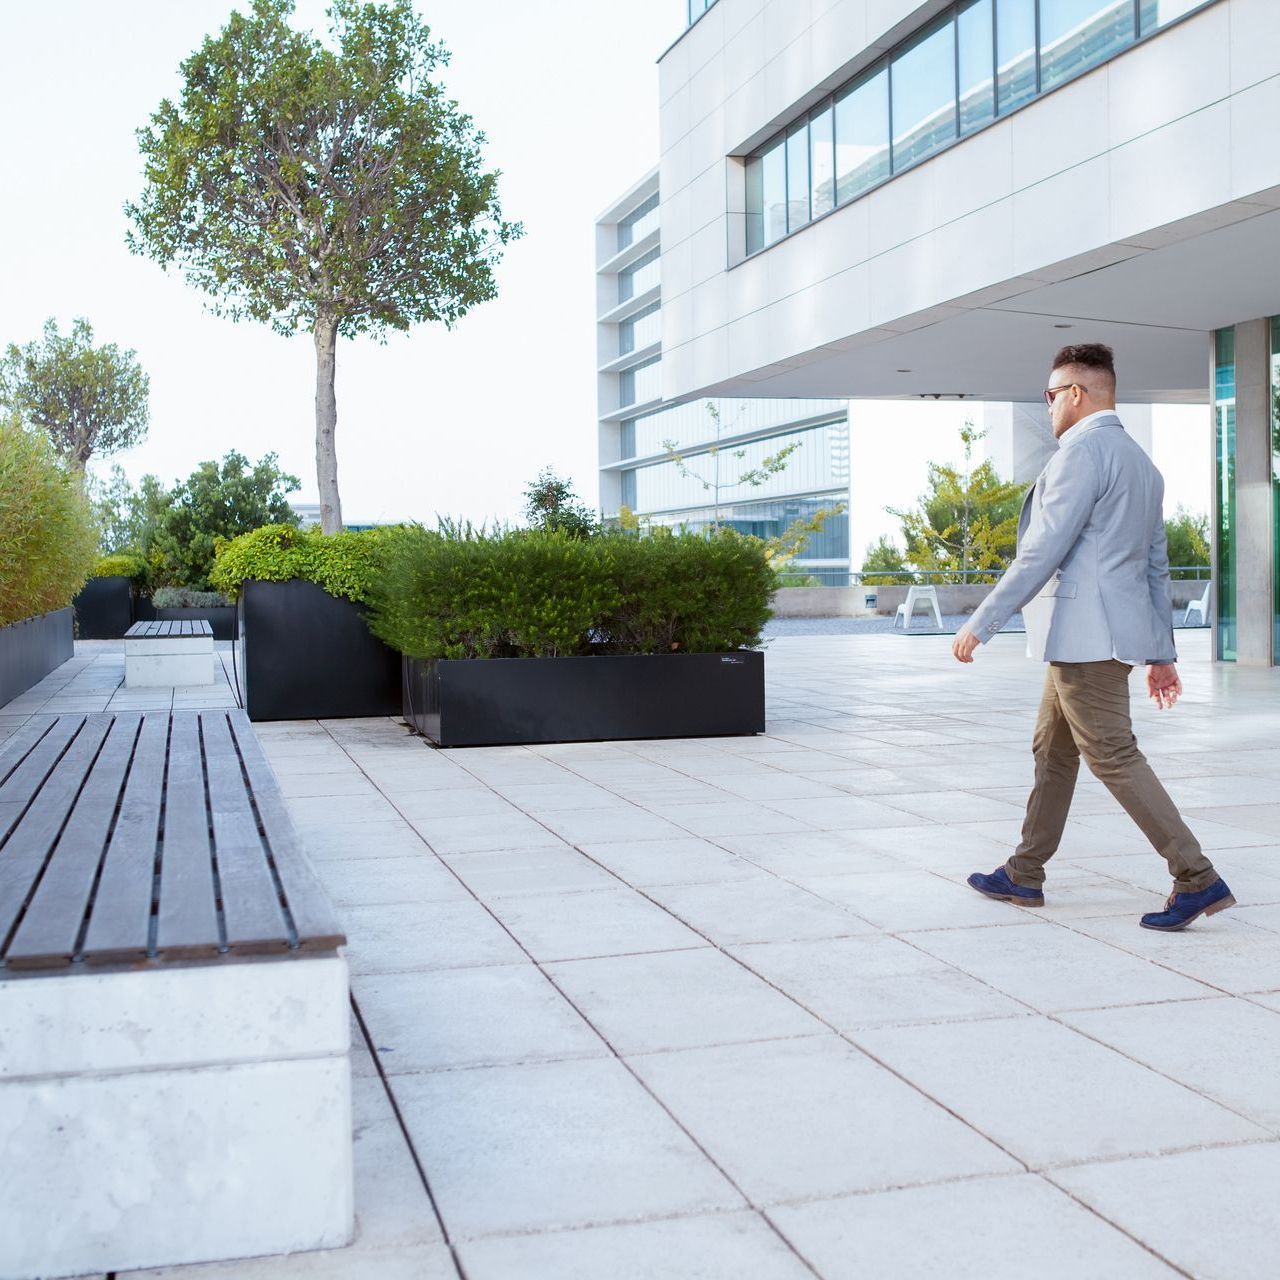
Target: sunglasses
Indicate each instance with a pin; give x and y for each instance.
(1051, 392)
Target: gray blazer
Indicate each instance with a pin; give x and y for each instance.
(1092, 570)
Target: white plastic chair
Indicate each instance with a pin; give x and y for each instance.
(927, 596)
(1200, 606)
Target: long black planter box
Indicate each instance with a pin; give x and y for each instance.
(486, 702)
(104, 608)
(30, 649)
(306, 655)
(222, 620)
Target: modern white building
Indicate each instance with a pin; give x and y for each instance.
(683, 464)
(882, 198)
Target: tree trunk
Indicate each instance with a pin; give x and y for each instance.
(326, 336)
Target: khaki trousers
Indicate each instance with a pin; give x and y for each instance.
(1085, 711)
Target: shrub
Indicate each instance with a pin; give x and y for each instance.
(183, 598)
(121, 564)
(47, 531)
(547, 593)
(344, 564)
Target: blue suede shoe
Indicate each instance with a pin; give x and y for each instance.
(998, 885)
(1183, 908)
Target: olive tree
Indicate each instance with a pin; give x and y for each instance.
(87, 400)
(326, 187)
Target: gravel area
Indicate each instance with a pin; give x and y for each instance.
(951, 623)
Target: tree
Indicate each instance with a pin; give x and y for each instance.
(884, 565)
(1187, 534)
(217, 501)
(968, 519)
(86, 399)
(551, 503)
(335, 190)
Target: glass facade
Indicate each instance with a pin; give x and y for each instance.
(1224, 416)
(638, 223)
(691, 425)
(641, 275)
(981, 59)
(640, 330)
(1275, 488)
(697, 8)
(641, 384)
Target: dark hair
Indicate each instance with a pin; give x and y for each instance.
(1088, 355)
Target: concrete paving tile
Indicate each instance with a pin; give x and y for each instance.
(593, 825)
(1209, 830)
(795, 1119)
(553, 1145)
(432, 935)
(1050, 1095)
(847, 812)
(1223, 951)
(723, 1246)
(727, 817)
(1254, 819)
(681, 861)
(762, 909)
(952, 806)
(348, 840)
(1231, 1233)
(873, 981)
(314, 810)
(955, 1230)
(604, 922)
(548, 797)
(905, 900)
(1226, 1049)
(548, 868)
(1052, 968)
(629, 1000)
(347, 783)
(482, 833)
(802, 854)
(366, 882)
(488, 1016)
(776, 786)
(1261, 917)
(334, 761)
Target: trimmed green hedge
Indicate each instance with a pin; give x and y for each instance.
(184, 598)
(344, 564)
(122, 564)
(539, 593)
(48, 536)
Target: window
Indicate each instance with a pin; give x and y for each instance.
(767, 197)
(975, 61)
(697, 8)
(862, 136)
(923, 80)
(638, 223)
(640, 329)
(798, 177)
(1157, 13)
(1078, 34)
(1224, 416)
(642, 274)
(1275, 486)
(1015, 53)
(642, 383)
(822, 163)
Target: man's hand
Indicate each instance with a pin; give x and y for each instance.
(1163, 684)
(964, 645)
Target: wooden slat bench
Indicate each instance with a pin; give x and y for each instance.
(168, 653)
(174, 1080)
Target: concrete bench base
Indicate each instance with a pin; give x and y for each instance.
(174, 1115)
(177, 660)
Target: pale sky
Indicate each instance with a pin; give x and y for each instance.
(431, 422)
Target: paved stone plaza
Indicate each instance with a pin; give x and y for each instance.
(726, 1009)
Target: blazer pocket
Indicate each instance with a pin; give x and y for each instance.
(1060, 588)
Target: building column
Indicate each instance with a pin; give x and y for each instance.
(1253, 516)
(1019, 439)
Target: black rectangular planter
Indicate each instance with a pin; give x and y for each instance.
(221, 620)
(306, 655)
(104, 608)
(30, 649)
(486, 702)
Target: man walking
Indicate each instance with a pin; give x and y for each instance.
(1092, 579)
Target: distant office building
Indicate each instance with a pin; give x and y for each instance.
(866, 199)
(718, 439)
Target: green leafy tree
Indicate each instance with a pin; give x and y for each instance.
(329, 188)
(966, 521)
(551, 503)
(87, 400)
(884, 565)
(216, 502)
(1187, 534)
